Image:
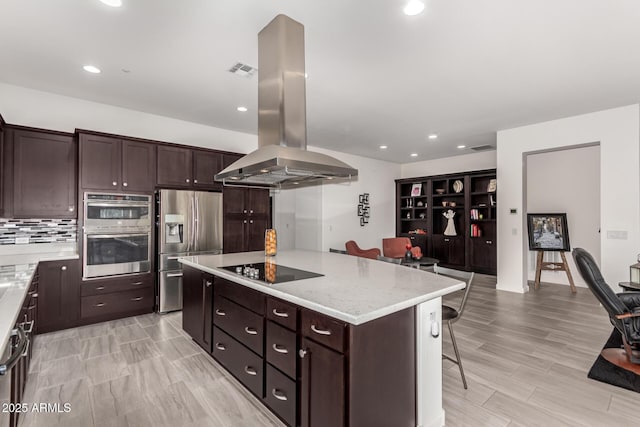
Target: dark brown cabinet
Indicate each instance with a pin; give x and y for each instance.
(197, 306)
(449, 250)
(44, 174)
(174, 167)
(58, 295)
(205, 165)
(188, 168)
(116, 297)
(423, 202)
(246, 216)
(322, 393)
(110, 163)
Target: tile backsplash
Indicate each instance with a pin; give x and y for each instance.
(24, 231)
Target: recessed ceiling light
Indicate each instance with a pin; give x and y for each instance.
(242, 109)
(433, 136)
(112, 3)
(414, 154)
(462, 146)
(414, 7)
(383, 147)
(91, 69)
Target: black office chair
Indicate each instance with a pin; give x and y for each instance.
(623, 309)
(452, 315)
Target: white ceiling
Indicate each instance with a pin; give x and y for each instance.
(463, 69)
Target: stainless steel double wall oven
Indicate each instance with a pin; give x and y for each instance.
(116, 234)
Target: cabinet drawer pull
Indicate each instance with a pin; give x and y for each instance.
(220, 312)
(100, 304)
(221, 346)
(114, 183)
(280, 349)
(31, 307)
(33, 294)
(447, 240)
(63, 268)
(320, 331)
(488, 242)
(136, 283)
(278, 394)
(124, 184)
(100, 288)
(137, 299)
(250, 371)
(174, 275)
(250, 331)
(187, 180)
(280, 313)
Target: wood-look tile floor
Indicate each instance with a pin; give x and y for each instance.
(136, 372)
(526, 358)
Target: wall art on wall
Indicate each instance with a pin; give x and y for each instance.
(363, 209)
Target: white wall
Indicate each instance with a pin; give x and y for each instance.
(462, 163)
(28, 107)
(553, 185)
(618, 132)
(325, 216)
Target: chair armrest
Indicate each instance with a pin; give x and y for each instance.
(627, 315)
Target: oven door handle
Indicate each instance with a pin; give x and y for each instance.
(19, 350)
(119, 205)
(108, 236)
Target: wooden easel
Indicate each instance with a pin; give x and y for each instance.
(553, 266)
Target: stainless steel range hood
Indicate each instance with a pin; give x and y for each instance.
(282, 159)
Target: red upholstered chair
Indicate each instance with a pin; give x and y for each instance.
(354, 249)
(396, 247)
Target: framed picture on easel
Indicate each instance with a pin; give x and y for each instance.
(548, 232)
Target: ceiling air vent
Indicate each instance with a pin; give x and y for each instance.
(482, 148)
(243, 70)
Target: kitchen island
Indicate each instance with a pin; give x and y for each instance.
(358, 345)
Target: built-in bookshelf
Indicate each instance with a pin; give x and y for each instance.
(422, 213)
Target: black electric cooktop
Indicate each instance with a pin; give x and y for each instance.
(271, 272)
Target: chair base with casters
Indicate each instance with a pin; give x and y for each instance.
(337, 251)
(452, 315)
(623, 310)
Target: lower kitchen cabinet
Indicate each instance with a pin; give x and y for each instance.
(310, 369)
(322, 386)
(58, 295)
(116, 297)
(197, 306)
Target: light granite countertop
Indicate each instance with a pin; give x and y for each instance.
(355, 290)
(16, 272)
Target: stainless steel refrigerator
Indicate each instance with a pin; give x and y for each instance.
(189, 223)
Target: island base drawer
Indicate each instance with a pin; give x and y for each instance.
(281, 348)
(244, 364)
(280, 395)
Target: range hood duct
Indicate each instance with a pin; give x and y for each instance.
(282, 159)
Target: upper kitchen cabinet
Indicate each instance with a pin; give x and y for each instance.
(174, 167)
(45, 165)
(111, 163)
(190, 168)
(205, 165)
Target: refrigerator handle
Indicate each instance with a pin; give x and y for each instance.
(193, 224)
(196, 230)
